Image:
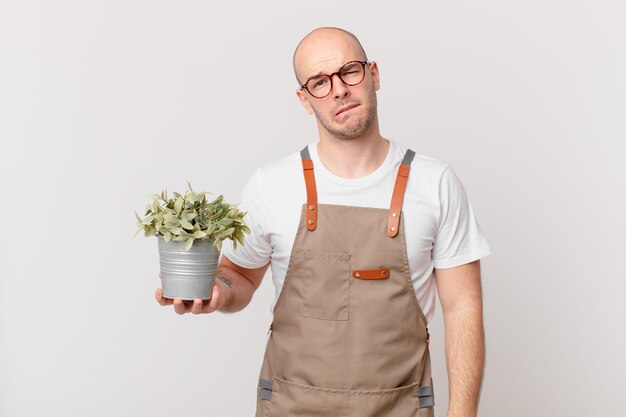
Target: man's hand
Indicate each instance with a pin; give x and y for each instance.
(232, 291)
(196, 306)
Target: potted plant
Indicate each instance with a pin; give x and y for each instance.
(190, 231)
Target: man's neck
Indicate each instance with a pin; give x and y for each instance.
(353, 158)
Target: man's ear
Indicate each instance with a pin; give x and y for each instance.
(375, 74)
(304, 99)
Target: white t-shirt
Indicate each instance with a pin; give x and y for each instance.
(440, 228)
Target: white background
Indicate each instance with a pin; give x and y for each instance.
(105, 102)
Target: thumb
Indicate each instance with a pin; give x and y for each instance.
(215, 301)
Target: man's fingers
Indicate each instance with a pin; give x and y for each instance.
(196, 307)
(180, 307)
(213, 303)
(158, 295)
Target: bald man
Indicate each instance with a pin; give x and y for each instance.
(359, 231)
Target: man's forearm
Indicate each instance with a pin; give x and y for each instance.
(465, 357)
(235, 288)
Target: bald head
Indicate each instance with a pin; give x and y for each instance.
(322, 45)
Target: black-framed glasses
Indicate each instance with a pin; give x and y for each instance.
(351, 73)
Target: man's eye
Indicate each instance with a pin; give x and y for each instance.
(318, 83)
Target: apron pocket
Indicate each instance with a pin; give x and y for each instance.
(290, 399)
(326, 287)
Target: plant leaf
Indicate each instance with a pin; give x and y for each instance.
(225, 222)
(188, 244)
(178, 205)
(227, 232)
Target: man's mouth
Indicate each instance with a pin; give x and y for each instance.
(345, 108)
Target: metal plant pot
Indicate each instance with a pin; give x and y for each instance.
(188, 274)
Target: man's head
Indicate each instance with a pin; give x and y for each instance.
(347, 112)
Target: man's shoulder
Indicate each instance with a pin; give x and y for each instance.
(424, 164)
(279, 171)
(286, 163)
(279, 175)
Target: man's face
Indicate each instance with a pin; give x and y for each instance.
(348, 111)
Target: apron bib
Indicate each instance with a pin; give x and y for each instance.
(348, 337)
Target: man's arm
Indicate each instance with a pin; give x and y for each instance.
(233, 290)
(460, 294)
(236, 284)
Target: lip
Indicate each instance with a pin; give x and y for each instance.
(346, 108)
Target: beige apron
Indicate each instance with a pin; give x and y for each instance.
(348, 337)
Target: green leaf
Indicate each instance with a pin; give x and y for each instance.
(186, 225)
(172, 225)
(227, 232)
(167, 236)
(178, 205)
(218, 200)
(199, 234)
(188, 244)
(225, 222)
(239, 236)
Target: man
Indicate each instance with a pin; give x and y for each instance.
(355, 273)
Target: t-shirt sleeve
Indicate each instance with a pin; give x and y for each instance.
(459, 239)
(257, 249)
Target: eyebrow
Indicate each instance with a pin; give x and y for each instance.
(323, 73)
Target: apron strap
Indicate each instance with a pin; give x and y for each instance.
(396, 198)
(311, 190)
(398, 194)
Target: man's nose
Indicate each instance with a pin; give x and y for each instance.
(340, 89)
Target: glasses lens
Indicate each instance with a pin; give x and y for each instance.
(319, 86)
(352, 73)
